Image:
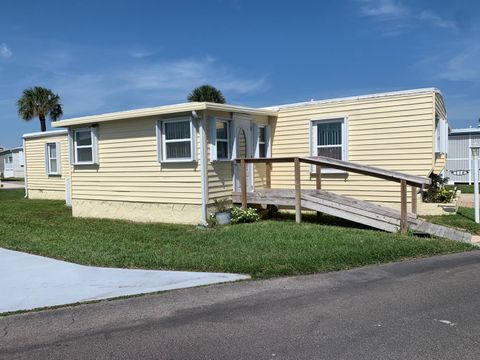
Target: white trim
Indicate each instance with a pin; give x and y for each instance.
(227, 140)
(203, 166)
(162, 110)
(44, 134)
(25, 175)
(162, 151)
(266, 142)
(343, 119)
(93, 146)
(49, 158)
(353, 98)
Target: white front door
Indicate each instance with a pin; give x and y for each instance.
(243, 149)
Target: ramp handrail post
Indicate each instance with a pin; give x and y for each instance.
(318, 180)
(243, 183)
(298, 192)
(414, 199)
(318, 177)
(268, 175)
(403, 207)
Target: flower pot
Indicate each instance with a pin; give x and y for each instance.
(223, 218)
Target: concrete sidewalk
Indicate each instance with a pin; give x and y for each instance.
(30, 281)
(12, 185)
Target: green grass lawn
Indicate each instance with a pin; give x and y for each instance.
(463, 219)
(464, 188)
(263, 249)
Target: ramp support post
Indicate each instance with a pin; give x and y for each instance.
(298, 192)
(403, 207)
(414, 199)
(268, 175)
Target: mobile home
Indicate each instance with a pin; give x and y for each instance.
(12, 163)
(460, 163)
(169, 163)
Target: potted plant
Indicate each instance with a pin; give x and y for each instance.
(222, 214)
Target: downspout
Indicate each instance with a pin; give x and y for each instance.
(203, 164)
(25, 167)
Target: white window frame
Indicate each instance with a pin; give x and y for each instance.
(49, 158)
(265, 142)
(162, 141)
(227, 140)
(93, 146)
(314, 141)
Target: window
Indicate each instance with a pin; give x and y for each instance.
(84, 144)
(262, 142)
(329, 138)
(177, 138)
(52, 158)
(223, 139)
(9, 159)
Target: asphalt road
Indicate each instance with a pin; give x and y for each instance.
(425, 309)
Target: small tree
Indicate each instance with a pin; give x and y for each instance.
(206, 93)
(39, 102)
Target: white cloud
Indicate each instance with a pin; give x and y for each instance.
(398, 16)
(383, 9)
(463, 66)
(437, 21)
(151, 84)
(5, 52)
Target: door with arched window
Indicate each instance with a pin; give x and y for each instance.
(243, 149)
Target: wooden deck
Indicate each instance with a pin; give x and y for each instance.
(362, 212)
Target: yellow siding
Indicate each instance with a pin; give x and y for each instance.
(394, 133)
(129, 171)
(41, 185)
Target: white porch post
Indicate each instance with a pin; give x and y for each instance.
(475, 151)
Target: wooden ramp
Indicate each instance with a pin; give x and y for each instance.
(362, 212)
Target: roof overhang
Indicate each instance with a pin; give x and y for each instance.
(44, 134)
(162, 110)
(355, 98)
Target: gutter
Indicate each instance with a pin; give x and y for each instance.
(25, 175)
(203, 164)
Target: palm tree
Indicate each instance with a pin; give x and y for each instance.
(39, 102)
(206, 93)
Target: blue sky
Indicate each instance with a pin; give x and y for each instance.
(102, 56)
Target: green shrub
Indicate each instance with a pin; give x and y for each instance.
(436, 192)
(244, 216)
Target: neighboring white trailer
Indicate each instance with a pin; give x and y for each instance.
(459, 168)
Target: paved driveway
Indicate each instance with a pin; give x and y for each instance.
(30, 281)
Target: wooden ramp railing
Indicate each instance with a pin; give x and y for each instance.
(320, 161)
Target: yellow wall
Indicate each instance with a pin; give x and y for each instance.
(394, 132)
(39, 184)
(129, 171)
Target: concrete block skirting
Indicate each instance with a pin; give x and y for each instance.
(136, 211)
(46, 194)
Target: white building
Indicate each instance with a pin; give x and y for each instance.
(12, 163)
(459, 162)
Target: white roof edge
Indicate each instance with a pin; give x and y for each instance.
(161, 110)
(4, 150)
(465, 130)
(359, 97)
(44, 134)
